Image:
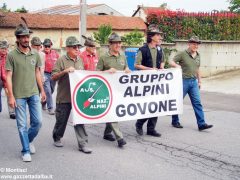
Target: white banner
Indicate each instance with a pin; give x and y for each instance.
(99, 97)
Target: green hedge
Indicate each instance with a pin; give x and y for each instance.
(208, 26)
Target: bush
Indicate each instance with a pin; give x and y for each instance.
(208, 26)
(134, 38)
(103, 33)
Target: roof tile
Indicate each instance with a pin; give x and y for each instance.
(45, 21)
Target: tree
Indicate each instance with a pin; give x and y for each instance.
(21, 10)
(234, 6)
(103, 33)
(133, 38)
(163, 6)
(4, 8)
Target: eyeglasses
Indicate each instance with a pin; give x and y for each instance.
(75, 47)
(47, 46)
(91, 46)
(116, 43)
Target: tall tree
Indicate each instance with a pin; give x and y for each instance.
(4, 8)
(234, 6)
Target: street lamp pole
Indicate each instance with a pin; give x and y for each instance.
(83, 20)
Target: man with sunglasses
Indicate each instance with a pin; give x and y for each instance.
(3, 54)
(51, 57)
(113, 61)
(189, 61)
(66, 64)
(89, 56)
(24, 83)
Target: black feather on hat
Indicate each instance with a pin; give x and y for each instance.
(22, 29)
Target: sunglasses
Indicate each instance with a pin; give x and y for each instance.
(47, 46)
(75, 47)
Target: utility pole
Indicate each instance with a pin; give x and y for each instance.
(83, 20)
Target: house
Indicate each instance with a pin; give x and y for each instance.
(92, 9)
(143, 11)
(59, 27)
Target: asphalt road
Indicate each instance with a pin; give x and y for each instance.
(181, 154)
(219, 101)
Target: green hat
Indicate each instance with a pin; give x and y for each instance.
(72, 41)
(22, 30)
(114, 37)
(194, 39)
(154, 29)
(47, 42)
(36, 41)
(89, 41)
(4, 44)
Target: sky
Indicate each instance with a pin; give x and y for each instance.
(126, 7)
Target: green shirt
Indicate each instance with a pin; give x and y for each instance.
(23, 67)
(153, 52)
(189, 64)
(108, 61)
(63, 90)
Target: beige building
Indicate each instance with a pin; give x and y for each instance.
(92, 9)
(59, 27)
(143, 11)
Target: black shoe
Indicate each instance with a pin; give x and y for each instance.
(12, 116)
(177, 125)
(139, 131)
(154, 133)
(121, 143)
(109, 137)
(205, 126)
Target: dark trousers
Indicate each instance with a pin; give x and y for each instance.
(151, 124)
(63, 111)
(62, 114)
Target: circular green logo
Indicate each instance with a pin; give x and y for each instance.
(92, 97)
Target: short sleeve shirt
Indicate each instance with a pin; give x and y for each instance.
(89, 60)
(23, 67)
(108, 61)
(189, 64)
(63, 90)
(153, 52)
(50, 60)
(2, 69)
(42, 57)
